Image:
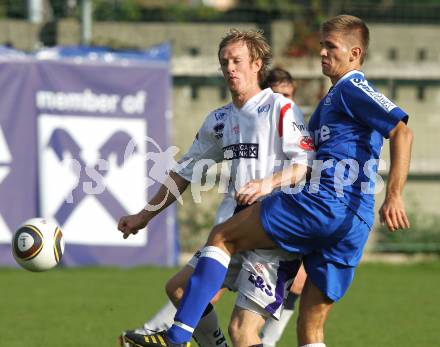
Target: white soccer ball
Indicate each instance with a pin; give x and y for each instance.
(38, 244)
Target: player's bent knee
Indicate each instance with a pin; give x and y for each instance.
(174, 291)
(222, 237)
(216, 237)
(176, 285)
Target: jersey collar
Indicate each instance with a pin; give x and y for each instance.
(347, 75)
(253, 100)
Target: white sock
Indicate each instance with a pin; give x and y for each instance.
(163, 319)
(320, 344)
(273, 329)
(208, 332)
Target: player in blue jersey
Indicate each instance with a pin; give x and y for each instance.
(330, 218)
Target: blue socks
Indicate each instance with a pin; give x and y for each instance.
(205, 282)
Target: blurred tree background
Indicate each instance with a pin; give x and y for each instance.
(242, 10)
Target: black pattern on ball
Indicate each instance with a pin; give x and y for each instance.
(57, 249)
(37, 245)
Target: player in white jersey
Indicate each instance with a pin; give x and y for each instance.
(260, 135)
(280, 81)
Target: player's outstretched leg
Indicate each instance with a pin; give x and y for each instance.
(226, 238)
(208, 332)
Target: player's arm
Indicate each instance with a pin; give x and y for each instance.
(255, 189)
(168, 193)
(297, 146)
(392, 212)
(204, 146)
(289, 176)
(360, 101)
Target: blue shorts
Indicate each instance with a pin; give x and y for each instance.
(329, 234)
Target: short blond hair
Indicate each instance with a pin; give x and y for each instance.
(348, 25)
(256, 44)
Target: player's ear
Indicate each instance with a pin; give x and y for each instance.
(356, 53)
(257, 65)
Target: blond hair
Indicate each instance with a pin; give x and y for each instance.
(256, 44)
(349, 25)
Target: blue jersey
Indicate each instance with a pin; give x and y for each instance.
(329, 221)
(348, 128)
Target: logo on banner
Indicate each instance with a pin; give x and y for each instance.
(90, 176)
(87, 182)
(5, 161)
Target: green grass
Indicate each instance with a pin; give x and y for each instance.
(388, 305)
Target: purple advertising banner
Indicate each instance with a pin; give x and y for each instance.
(86, 142)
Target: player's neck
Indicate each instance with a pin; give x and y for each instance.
(335, 79)
(240, 98)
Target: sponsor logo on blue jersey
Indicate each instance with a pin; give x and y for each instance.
(263, 108)
(241, 150)
(321, 135)
(378, 97)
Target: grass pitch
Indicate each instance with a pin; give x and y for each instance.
(388, 305)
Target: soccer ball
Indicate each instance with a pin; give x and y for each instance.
(38, 244)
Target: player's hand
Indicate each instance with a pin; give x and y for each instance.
(392, 213)
(252, 191)
(132, 224)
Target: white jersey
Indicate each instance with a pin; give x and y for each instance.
(257, 140)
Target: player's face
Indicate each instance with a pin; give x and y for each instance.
(240, 73)
(338, 55)
(285, 88)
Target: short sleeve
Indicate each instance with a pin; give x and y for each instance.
(295, 138)
(362, 102)
(204, 147)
